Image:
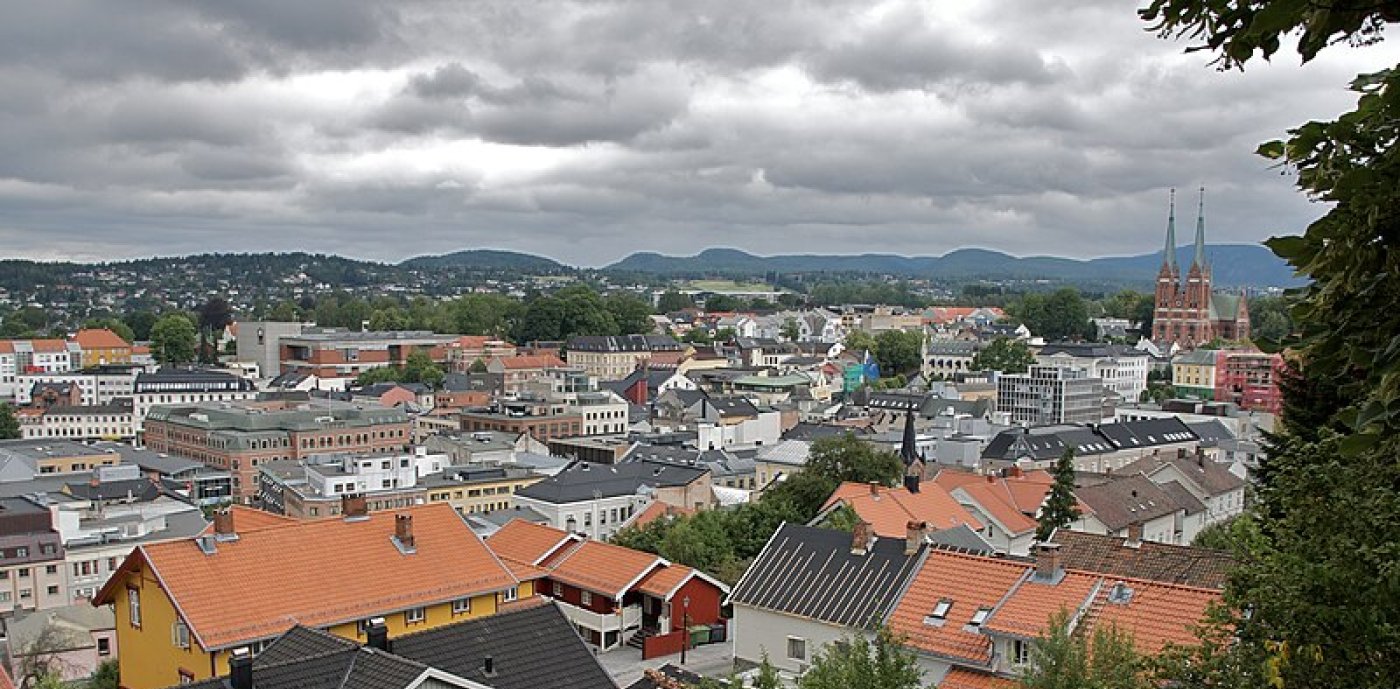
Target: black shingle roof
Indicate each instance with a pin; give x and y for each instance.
(580, 481)
(306, 658)
(813, 573)
(530, 649)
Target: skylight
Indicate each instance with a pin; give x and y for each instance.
(980, 616)
(940, 611)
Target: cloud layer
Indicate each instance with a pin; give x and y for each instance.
(588, 130)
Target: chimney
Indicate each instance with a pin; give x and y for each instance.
(1047, 562)
(403, 532)
(223, 525)
(913, 536)
(875, 489)
(862, 538)
(991, 478)
(1013, 471)
(377, 634)
(1134, 535)
(240, 669)
(353, 507)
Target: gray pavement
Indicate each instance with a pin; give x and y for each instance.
(626, 665)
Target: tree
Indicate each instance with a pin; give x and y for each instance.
(791, 330)
(899, 351)
(1269, 320)
(379, 374)
(392, 318)
(848, 458)
(630, 314)
(9, 425)
(672, 301)
(173, 340)
(105, 676)
(767, 675)
(1320, 607)
(483, 314)
(212, 317)
(722, 302)
(1239, 536)
(419, 368)
(1060, 315)
(1060, 508)
(860, 341)
(1004, 354)
(856, 662)
(1062, 658)
(40, 662)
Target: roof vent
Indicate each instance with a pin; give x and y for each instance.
(206, 545)
(1120, 594)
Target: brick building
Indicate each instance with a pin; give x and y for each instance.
(331, 353)
(238, 436)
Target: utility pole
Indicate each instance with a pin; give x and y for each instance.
(685, 626)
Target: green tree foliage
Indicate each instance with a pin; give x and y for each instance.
(1059, 315)
(629, 314)
(856, 662)
(899, 351)
(391, 318)
(723, 302)
(9, 425)
(672, 301)
(791, 330)
(173, 339)
(860, 341)
(1060, 508)
(1269, 320)
(27, 321)
(419, 368)
(1324, 610)
(1004, 354)
(105, 676)
(848, 458)
(115, 325)
(378, 374)
(698, 336)
(1105, 659)
(1239, 536)
(767, 675)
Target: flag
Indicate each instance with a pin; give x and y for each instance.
(872, 369)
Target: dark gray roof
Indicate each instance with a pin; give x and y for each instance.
(306, 658)
(1184, 499)
(732, 406)
(962, 539)
(812, 573)
(1174, 564)
(816, 431)
(500, 517)
(1091, 349)
(624, 343)
(579, 482)
(1049, 442)
(1210, 476)
(532, 648)
(1211, 432)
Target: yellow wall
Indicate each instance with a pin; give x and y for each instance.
(95, 357)
(461, 498)
(149, 658)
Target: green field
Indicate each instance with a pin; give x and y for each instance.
(721, 286)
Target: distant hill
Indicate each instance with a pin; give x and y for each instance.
(485, 259)
(1233, 265)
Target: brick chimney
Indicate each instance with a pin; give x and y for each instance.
(403, 531)
(354, 506)
(862, 537)
(1134, 535)
(223, 525)
(377, 634)
(1013, 471)
(913, 536)
(1048, 566)
(874, 489)
(991, 478)
(240, 669)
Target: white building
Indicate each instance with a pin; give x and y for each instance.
(110, 421)
(99, 385)
(18, 357)
(1123, 369)
(186, 386)
(1050, 395)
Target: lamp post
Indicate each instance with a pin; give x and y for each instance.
(685, 626)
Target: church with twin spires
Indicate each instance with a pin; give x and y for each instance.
(1191, 314)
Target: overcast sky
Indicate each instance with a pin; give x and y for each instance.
(585, 131)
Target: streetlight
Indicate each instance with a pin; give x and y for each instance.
(685, 626)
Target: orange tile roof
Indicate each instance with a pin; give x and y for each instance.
(7, 347)
(100, 338)
(657, 510)
(962, 678)
(1155, 614)
(140, 349)
(5, 681)
(317, 574)
(893, 508)
(524, 571)
(1027, 609)
(248, 519)
(662, 582)
(970, 582)
(527, 542)
(996, 503)
(531, 361)
(49, 345)
(604, 568)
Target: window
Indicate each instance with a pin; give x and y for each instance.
(133, 604)
(53, 590)
(461, 605)
(51, 569)
(558, 589)
(511, 594)
(1020, 651)
(585, 598)
(21, 552)
(940, 610)
(413, 616)
(980, 616)
(104, 647)
(796, 648)
(23, 572)
(180, 634)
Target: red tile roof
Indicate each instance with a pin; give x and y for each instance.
(99, 338)
(529, 361)
(1027, 609)
(971, 583)
(605, 568)
(996, 503)
(1155, 614)
(962, 678)
(662, 582)
(49, 345)
(890, 509)
(7, 347)
(527, 542)
(316, 573)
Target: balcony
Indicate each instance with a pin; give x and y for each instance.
(627, 619)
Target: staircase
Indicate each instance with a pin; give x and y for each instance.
(640, 637)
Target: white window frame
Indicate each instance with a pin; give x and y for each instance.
(801, 646)
(180, 634)
(511, 594)
(585, 598)
(415, 616)
(461, 605)
(133, 606)
(1020, 652)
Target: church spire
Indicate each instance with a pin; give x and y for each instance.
(1200, 259)
(1169, 254)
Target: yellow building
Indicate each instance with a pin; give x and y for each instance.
(478, 489)
(183, 607)
(101, 346)
(1193, 374)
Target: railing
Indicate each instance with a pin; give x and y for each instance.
(630, 618)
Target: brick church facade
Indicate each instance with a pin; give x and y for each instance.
(1192, 314)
